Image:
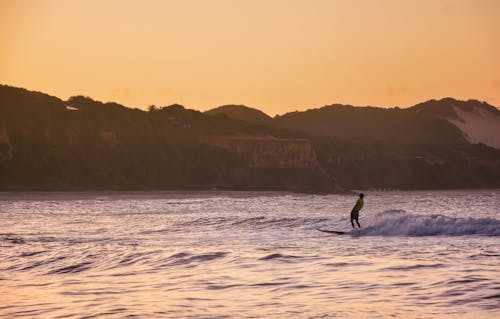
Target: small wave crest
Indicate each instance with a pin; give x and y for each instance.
(11, 238)
(401, 223)
(278, 256)
(187, 258)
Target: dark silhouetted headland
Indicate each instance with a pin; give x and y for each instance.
(81, 144)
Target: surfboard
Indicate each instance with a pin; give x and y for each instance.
(336, 232)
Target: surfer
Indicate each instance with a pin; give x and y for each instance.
(356, 209)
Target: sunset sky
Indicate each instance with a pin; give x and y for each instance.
(274, 55)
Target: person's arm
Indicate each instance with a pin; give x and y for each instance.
(355, 205)
(360, 204)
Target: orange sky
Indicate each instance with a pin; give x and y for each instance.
(275, 55)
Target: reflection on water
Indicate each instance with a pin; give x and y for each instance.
(240, 256)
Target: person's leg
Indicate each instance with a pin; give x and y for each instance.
(357, 222)
(354, 216)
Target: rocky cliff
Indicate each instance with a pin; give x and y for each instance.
(5, 145)
(269, 151)
(294, 160)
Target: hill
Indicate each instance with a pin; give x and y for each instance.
(50, 144)
(430, 145)
(479, 122)
(242, 112)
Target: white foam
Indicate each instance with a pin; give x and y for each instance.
(401, 223)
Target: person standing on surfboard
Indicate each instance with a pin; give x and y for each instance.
(356, 209)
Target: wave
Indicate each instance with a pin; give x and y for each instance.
(187, 258)
(401, 223)
(278, 256)
(12, 239)
(259, 222)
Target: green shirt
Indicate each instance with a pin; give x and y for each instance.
(359, 205)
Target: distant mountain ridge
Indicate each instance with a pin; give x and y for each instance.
(347, 121)
(48, 143)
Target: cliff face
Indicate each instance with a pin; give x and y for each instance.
(269, 151)
(5, 145)
(278, 163)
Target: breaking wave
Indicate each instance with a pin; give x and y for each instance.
(401, 223)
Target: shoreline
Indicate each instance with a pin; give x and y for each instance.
(143, 194)
(181, 194)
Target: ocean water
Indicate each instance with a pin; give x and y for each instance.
(249, 255)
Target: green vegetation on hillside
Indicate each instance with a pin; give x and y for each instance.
(413, 148)
(79, 144)
(49, 144)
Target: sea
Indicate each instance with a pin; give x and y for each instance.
(425, 254)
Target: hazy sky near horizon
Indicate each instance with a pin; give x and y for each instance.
(275, 55)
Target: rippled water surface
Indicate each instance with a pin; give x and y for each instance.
(249, 255)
